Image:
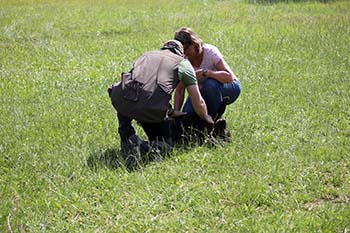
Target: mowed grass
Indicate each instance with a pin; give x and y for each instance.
(286, 169)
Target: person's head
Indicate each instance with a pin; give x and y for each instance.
(174, 46)
(193, 45)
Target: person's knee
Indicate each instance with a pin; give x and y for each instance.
(235, 93)
(210, 85)
(239, 87)
(211, 92)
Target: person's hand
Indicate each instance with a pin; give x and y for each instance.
(209, 119)
(177, 113)
(201, 73)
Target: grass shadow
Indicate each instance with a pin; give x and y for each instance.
(113, 158)
(108, 158)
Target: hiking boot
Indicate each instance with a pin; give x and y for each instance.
(125, 147)
(140, 145)
(131, 162)
(160, 147)
(139, 148)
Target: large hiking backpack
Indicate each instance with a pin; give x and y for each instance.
(144, 93)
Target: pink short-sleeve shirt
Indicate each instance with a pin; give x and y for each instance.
(211, 57)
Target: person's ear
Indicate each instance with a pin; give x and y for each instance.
(197, 48)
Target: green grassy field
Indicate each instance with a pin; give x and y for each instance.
(287, 168)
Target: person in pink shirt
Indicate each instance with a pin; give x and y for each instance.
(218, 84)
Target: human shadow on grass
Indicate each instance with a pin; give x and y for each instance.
(112, 158)
(138, 153)
(103, 158)
(187, 132)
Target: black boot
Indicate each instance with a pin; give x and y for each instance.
(139, 149)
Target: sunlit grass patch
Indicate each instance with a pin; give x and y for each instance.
(286, 168)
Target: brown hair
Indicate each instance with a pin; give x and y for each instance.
(188, 37)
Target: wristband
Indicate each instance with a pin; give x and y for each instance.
(204, 72)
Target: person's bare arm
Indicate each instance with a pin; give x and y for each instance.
(178, 100)
(179, 96)
(198, 103)
(224, 74)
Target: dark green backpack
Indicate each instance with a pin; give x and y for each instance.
(144, 93)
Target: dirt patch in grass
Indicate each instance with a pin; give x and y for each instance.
(338, 200)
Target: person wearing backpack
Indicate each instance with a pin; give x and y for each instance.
(144, 94)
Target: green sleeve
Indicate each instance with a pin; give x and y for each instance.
(186, 73)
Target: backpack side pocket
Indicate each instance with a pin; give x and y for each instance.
(130, 87)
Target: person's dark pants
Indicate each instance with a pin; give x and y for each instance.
(213, 93)
(125, 128)
(161, 131)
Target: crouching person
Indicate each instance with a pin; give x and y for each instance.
(144, 94)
